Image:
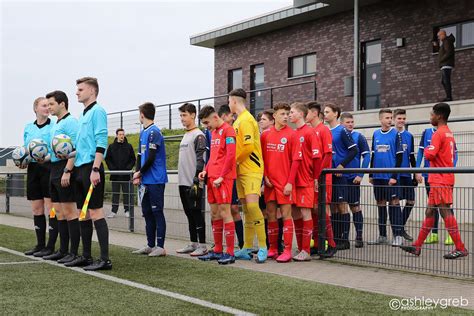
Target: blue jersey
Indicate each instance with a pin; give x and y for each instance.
(425, 141)
(408, 149)
(385, 147)
(364, 151)
(35, 131)
(342, 142)
(67, 125)
(92, 134)
(151, 138)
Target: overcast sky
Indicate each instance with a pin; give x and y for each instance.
(139, 51)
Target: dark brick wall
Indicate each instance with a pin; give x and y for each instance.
(410, 74)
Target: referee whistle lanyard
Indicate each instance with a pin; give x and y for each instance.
(82, 216)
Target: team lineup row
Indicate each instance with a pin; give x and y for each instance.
(237, 153)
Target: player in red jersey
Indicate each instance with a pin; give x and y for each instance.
(325, 138)
(220, 173)
(281, 155)
(440, 154)
(304, 201)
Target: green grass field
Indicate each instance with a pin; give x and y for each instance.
(35, 288)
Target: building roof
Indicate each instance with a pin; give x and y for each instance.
(274, 20)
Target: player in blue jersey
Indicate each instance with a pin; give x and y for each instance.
(151, 175)
(60, 186)
(425, 142)
(343, 151)
(91, 144)
(37, 181)
(387, 152)
(407, 180)
(361, 160)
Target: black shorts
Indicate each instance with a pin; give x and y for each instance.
(407, 189)
(353, 192)
(339, 189)
(58, 193)
(235, 197)
(37, 181)
(385, 192)
(82, 183)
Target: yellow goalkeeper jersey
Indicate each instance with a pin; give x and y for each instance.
(248, 134)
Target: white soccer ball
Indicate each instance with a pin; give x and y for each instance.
(62, 145)
(21, 156)
(38, 149)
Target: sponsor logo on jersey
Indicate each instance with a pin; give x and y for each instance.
(247, 137)
(382, 148)
(281, 147)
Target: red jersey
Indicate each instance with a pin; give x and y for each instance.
(441, 154)
(222, 149)
(310, 149)
(325, 139)
(279, 149)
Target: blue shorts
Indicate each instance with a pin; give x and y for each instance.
(407, 189)
(353, 192)
(339, 189)
(235, 197)
(153, 199)
(385, 192)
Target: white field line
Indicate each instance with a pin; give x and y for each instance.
(137, 285)
(17, 262)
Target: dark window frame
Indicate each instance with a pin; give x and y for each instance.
(230, 78)
(458, 35)
(305, 65)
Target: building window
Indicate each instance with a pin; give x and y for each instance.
(302, 65)
(462, 31)
(235, 79)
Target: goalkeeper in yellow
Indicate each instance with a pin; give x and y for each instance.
(249, 176)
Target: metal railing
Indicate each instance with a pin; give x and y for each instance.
(431, 259)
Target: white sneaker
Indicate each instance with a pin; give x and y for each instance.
(127, 214)
(302, 256)
(157, 252)
(111, 215)
(188, 248)
(143, 251)
(397, 241)
(201, 250)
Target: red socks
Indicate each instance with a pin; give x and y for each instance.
(452, 227)
(273, 235)
(229, 231)
(428, 223)
(217, 228)
(329, 233)
(288, 228)
(306, 237)
(298, 232)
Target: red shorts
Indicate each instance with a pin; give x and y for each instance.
(328, 191)
(274, 194)
(440, 194)
(305, 197)
(222, 194)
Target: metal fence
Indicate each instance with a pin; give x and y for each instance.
(387, 256)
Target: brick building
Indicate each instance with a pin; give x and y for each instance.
(398, 62)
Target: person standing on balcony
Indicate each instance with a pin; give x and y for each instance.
(446, 61)
(120, 156)
(192, 150)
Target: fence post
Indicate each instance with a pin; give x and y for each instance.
(199, 110)
(271, 98)
(169, 110)
(131, 206)
(322, 213)
(7, 193)
(121, 119)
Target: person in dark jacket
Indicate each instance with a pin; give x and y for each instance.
(446, 61)
(120, 156)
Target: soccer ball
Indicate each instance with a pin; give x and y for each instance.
(38, 149)
(21, 156)
(62, 145)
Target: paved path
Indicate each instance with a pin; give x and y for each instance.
(391, 283)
